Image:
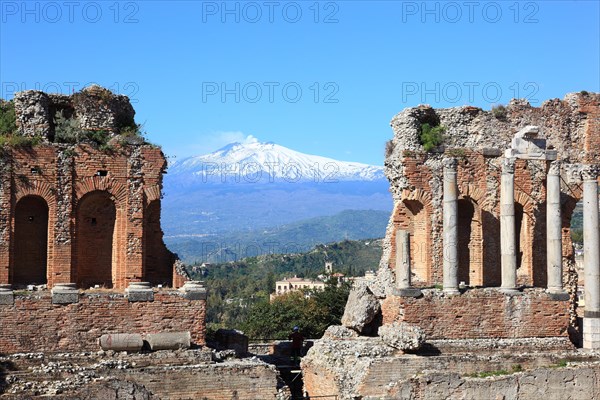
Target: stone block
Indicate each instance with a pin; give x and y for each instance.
(194, 290)
(169, 340)
(139, 291)
(401, 335)
(65, 293)
(559, 296)
(407, 292)
(491, 152)
(361, 309)
(121, 342)
(7, 297)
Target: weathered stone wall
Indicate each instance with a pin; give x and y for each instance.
(481, 313)
(34, 323)
(477, 139)
(165, 375)
(573, 383)
(365, 368)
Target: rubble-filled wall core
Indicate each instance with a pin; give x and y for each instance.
(77, 212)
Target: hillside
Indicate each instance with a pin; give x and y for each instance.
(289, 238)
(233, 286)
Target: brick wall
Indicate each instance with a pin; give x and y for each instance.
(481, 313)
(33, 323)
(99, 206)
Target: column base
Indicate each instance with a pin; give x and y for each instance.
(558, 295)
(407, 292)
(591, 333)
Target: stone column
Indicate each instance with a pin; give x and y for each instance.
(591, 258)
(507, 227)
(403, 270)
(450, 227)
(554, 232)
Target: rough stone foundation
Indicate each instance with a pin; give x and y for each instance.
(164, 375)
(518, 368)
(33, 322)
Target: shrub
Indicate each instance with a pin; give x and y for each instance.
(431, 136)
(8, 119)
(499, 111)
(19, 140)
(66, 130)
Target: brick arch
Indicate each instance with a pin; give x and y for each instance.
(102, 183)
(152, 193)
(529, 205)
(37, 188)
(413, 214)
(476, 194)
(419, 195)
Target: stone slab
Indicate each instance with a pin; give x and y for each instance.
(139, 295)
(65, 297)
(407, 292)
(559, 296)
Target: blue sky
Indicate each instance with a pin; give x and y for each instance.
(319, 77)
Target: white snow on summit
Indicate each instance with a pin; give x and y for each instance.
(255, 161)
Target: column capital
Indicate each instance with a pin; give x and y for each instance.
(589, 172)
(450, 163)
(555, 167)
(508, 165)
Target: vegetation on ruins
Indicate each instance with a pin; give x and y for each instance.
(8, 128)
(238, 289)
(68, 130)
(431, 136)
(8, 119)
(499, 111)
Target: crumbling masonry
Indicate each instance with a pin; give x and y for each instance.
(492, 206)
(73, 213)
(78, 214)
(478, 246)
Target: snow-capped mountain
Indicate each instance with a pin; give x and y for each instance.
(256, 162)
(247, 186)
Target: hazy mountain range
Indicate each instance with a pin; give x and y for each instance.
(252, 191)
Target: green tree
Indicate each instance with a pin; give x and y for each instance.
(8, 119)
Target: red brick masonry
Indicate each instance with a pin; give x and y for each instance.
(481, 313)
(33, 323)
